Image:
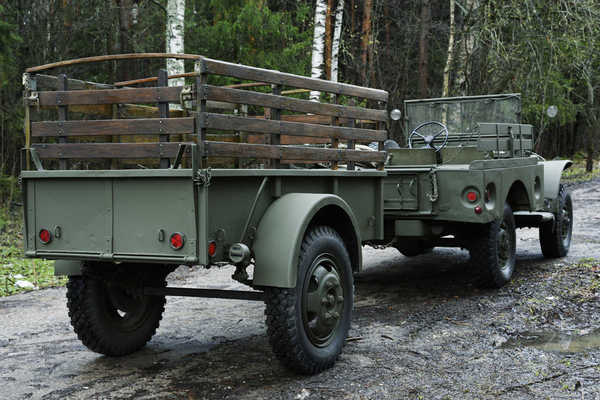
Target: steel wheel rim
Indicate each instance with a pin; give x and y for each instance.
(322, 300)
(566, 226)
(127, 311)
(504, 247)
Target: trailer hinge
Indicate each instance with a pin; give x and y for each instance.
(203, 177)
(186, 95)
(434, 195)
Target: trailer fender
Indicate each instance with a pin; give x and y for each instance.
(282, 228)
(68, 267)
(552, 173)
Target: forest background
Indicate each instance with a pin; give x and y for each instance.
(547, 50)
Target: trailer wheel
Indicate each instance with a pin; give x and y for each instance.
(555, 236)
(493, 251)
(110, 320)
(307, 325)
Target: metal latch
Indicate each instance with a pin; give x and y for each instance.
(203, 177)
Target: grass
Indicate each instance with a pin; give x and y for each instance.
(18, 274)
(577, 173)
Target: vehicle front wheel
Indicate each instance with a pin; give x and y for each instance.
(493, 251)
(307, 325)
(108, 318)
(555, 236)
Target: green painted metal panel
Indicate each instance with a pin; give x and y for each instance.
(77, 212)
(145, 207)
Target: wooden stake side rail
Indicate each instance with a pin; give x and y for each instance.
(134, 111)
(217, 67)
(109, 96)
(238, 96)
(145, 126)
(216, 149)
(108, 150)
(234, 123)
(245, 150)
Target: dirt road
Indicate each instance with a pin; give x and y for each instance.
(421, 330)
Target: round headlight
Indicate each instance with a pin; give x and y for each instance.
(395, 114)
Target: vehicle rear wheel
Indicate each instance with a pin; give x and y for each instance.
(493, 251)
(108, 318)
(555, 236)
(307, 325)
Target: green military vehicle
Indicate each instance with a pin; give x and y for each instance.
(122, 183)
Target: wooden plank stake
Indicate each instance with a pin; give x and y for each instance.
(163, 112)
(335, 142)
(63, 114)
(201, 81)
(351, 143)
(275, 116)
(381, 125)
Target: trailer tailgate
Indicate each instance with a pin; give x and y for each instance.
(110, 215)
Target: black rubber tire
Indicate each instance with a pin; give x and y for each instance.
(555, 236)
(286, 329)
(494, 271)
(100, 327)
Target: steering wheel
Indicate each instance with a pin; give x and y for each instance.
(428, 139)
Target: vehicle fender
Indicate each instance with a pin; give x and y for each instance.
(68, 267)
(552, 173)
(281, 231)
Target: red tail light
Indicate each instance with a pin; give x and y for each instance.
(212, 249)
(472, 196)
(177, 241)
(45, 236)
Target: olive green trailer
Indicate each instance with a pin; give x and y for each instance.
(122, 186)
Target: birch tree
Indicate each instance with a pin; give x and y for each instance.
(335, 44)
(175, 37)
(449, 60)
(318, 46)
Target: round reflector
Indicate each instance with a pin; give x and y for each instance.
(478, 210)
(45, 236)
(471, 196)
(177, 241)
(212, 248)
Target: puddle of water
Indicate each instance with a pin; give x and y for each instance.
(557, 341)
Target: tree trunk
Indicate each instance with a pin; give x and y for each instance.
(328, 37)
(449, 60)
(592, 124)
(465, 50)
(124, 72)
(318, 46)
(337, 36)
(175, 39)
(366, 39)
(424, 48)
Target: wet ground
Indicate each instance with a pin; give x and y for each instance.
(421, 330)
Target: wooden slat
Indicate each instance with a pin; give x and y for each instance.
(147, 126)
(112, 57)
(233, 123)
(109, 96)
(51, 82)
(107, 150)
(290, 152)
(281, 78)
(272, 101)
(163, 112)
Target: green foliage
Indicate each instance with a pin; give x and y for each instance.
(8, 41)
(14, 269)
(248, 32)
